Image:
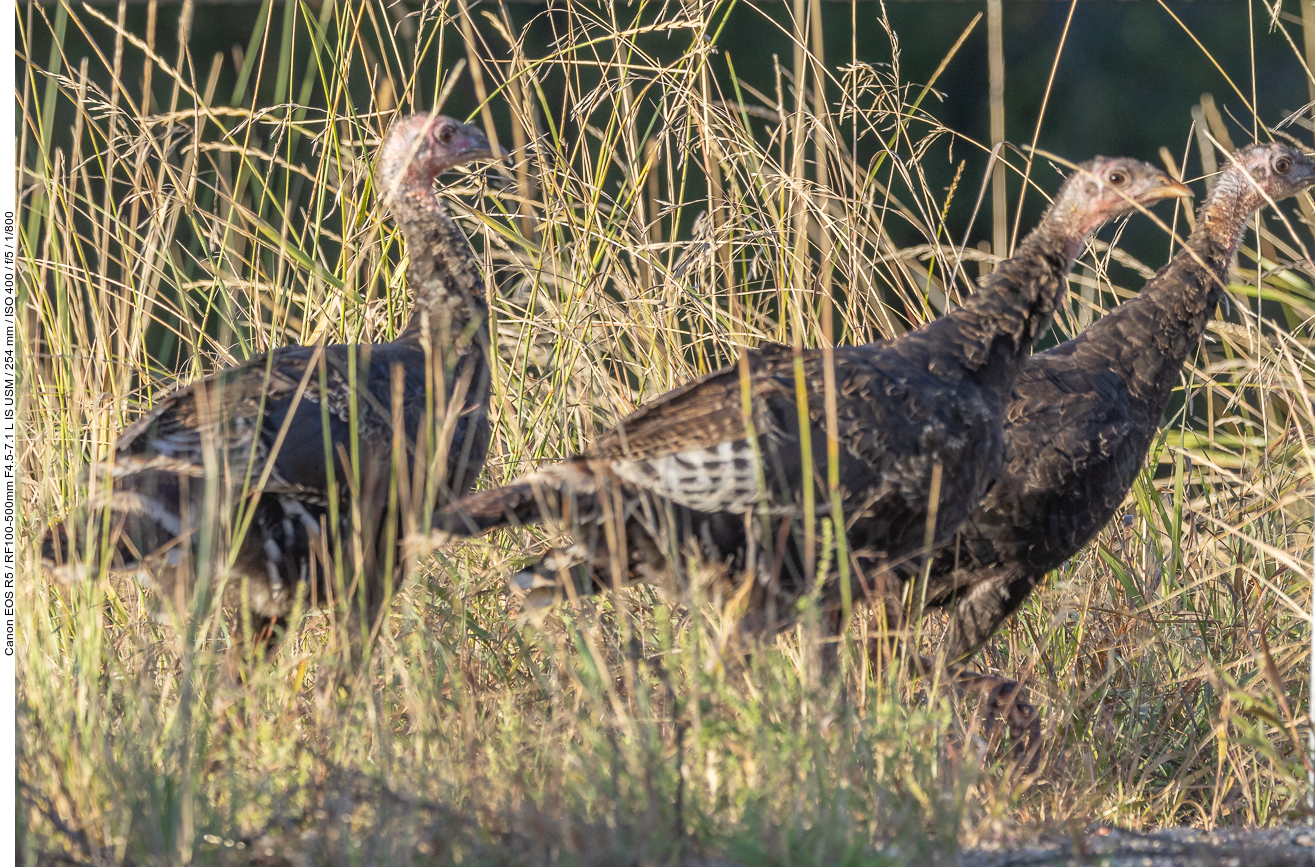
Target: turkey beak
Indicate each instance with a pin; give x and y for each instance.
(486, 151)
(1168, 189)
(1306, 172)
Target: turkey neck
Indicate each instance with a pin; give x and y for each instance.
(995, 328)
(443, 274)
(1145, 340)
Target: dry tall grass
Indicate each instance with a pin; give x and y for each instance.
(653, 221)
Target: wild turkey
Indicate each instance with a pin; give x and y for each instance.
(709, 464)
(296, 472)
(1084, 414)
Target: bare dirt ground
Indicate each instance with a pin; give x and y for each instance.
(1292, 846)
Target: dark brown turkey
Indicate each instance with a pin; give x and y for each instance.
(716, 465)
(1083, 415)
(296, 473)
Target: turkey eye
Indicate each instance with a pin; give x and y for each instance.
(446, 134)
(1118, 178)
(1282, 165)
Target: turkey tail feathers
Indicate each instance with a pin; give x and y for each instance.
(141, 504)
(565, 492)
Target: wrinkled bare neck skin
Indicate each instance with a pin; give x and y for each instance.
(443, 273)
(1147, 339)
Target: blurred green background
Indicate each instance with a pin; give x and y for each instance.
(1125, 83)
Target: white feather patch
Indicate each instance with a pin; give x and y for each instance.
(135, 504)
(722, 478)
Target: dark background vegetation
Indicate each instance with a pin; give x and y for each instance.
(1125, 84)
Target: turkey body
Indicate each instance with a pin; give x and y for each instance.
(898, 418)
(295, 474)
(1084, 414)
(273, 418)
